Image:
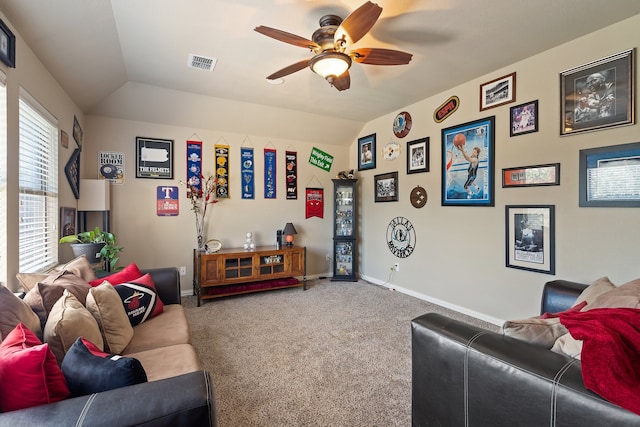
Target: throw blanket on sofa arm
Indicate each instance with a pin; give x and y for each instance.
(610, 352)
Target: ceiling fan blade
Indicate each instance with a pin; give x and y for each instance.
(283, 36)
(377, 56)
(341, 82)
(289, 69)
(358, 23)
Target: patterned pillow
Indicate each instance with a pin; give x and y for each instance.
(140, 299)
(88, 370)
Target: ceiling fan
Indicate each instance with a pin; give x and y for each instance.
(329, 44)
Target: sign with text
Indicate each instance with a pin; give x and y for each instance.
(321, 159)
(167, 201)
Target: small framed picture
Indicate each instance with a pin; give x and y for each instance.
(386, 187)
(468, 159)
(418, 156)
(64, 139)
(530, 238)
(67, 221)
(598, 95)
(7, 45)
(367, 152)
(77, 132)
(609, 176)
(524, 118)
(72, 171)
(498, 92)
(531, 176)
(154, 158)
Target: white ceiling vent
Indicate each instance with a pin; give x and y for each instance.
(201, 62)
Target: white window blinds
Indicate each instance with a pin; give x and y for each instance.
(3, 177)
(38, 169)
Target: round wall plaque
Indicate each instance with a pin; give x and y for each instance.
(401, 237)
(402, 124)
(418, 197)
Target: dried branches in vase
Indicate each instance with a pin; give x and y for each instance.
(201, 197)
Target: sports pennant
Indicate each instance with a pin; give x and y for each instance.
(247, 170)
(222, 171)
(314, 204)
(194, 165)
(269, 173)
(291, 161)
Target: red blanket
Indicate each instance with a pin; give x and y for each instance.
(610, 352)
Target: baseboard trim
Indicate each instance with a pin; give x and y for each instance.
(445, 304)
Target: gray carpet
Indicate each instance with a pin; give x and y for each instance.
(338, 354)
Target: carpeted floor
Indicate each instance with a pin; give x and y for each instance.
(338, 354)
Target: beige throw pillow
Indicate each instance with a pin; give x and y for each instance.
(68, 320)
(29, 280)
(104, 303)
(535, 330)
(568, 345)
(625, 296)
(594, 290)
(80, 267)
(14, 311)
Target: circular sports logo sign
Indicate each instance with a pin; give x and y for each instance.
(402, 125)
(401, 237)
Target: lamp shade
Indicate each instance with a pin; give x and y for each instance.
(289, 229)
(94, 195)
(330, 64)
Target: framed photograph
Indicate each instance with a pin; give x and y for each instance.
(7, 45)
(598, 95)
(72, 171)
(498, 92)
(77, 132)
(64, 139)
(386, 187)
(418, 156)
(531, 176)
(367, 152)
(67, 221)
(468, 164)
(524, 118)
(610, 176)
(154, 158)
(530, 238)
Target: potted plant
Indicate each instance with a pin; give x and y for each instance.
(97, 245)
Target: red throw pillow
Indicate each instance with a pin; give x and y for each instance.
(130, 272)
(140, 299)
(29, 373)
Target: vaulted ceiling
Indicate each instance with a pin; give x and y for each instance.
(128, 58)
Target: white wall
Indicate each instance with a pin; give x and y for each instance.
(153, 241)
(459, 258)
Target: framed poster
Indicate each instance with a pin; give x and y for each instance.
(154, 158)
(386, 187)
(418, 156)
(610, 176)
(72, 171)
(498, 92)
(77, 132)
(530, 238)
(67, 221)
(367, 152)
(7, 45)
(531, 176)
(598, 95)
(468, 163)
(524, 118)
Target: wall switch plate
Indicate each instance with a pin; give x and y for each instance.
(183, 271)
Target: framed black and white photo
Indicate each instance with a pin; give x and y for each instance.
(598, 95)
(468, 160)
(610, 176)
(524, 118)
(531, 176)
(498, 92)
(77, 132)
(7, 45)
(530, 238)
(386, 187)
(367, 152)
(154, 158)
(418, 156)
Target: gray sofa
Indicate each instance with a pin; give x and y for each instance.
(179, 392)
(466, 376)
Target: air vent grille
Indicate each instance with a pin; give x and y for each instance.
(201, 62)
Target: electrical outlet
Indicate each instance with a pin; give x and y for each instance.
(396, 267)
(327, 257)
(183, 271)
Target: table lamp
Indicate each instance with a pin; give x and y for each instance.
(289, 231)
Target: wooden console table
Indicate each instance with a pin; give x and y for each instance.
(238, 271)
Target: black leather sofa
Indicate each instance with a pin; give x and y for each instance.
(467, 376)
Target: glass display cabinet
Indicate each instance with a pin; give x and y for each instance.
(344, 230)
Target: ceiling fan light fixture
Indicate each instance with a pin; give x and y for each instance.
(330, 63)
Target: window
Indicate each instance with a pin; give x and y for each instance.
(38, 182)
(3, 177)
